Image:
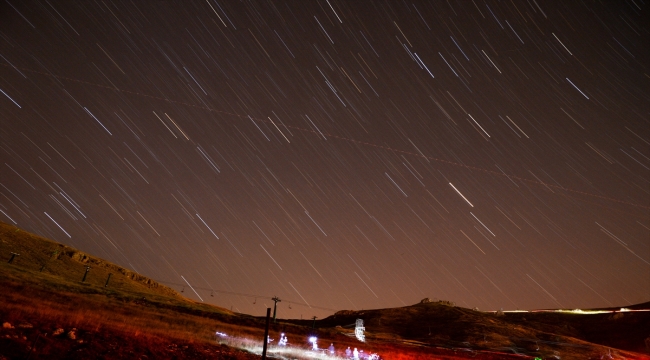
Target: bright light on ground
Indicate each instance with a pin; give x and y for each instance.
(281, 352)
(575, 311)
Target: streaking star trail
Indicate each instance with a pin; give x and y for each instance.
(337, 154)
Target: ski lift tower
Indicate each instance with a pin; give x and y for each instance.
(359, 329)
(276, 300)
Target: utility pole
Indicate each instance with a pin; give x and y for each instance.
(314, 325)
(13, 256)
(275, 305)
(266, 333)
(86, 273)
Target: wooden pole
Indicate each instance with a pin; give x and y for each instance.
(266, 332)
(86, 273)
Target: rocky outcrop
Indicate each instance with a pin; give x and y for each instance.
(83, 258)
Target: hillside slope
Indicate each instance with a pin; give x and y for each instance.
(49, 257)
(543, 335)
(49, 312)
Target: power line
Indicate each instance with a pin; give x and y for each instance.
(250, 295)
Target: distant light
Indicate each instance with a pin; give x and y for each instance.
(221, 334)
(585, 312)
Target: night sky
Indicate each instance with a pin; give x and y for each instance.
(341, 154)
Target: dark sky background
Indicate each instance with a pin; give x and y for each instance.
(341, 154)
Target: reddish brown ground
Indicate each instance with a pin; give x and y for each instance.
(39, 343)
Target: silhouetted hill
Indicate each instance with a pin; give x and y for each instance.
(540, 334)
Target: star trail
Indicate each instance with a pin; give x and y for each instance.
(337, 154)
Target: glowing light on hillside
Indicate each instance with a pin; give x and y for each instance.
(358, 330)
